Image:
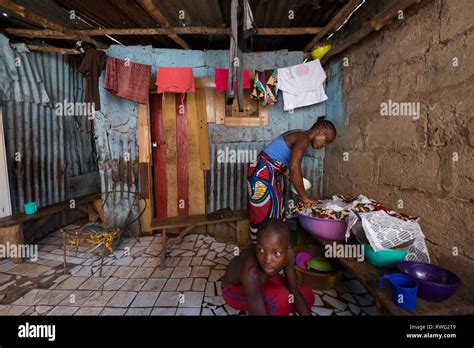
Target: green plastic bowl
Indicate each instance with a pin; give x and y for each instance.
(384, 258)
(321, 264)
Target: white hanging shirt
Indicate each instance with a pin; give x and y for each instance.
(302, 84)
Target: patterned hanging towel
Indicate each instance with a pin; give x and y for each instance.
(264, 87)
(128, 80)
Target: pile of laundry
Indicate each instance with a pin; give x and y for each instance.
(339, 207)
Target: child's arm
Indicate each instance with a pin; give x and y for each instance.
(290, 275)
(251, 283)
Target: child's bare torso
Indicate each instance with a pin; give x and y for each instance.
(244, 262)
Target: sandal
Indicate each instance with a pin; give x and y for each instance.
(220, 214)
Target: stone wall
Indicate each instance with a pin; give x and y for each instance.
(422, 166)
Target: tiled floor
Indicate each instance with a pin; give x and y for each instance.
(132, 283)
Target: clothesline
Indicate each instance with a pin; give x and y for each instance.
(301, 84)
(201, 66)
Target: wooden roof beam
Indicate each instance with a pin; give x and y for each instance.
(45, 22)
(52, 34)
(156, 14)
(52, 49)
(378, 22)
(335, 22)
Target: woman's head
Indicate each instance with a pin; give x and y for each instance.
(323, 132)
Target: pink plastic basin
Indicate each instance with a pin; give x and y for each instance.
(324, 228)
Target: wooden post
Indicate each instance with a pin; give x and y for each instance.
(243, 233)
(144, 159)
(203, 131)
(14, 236)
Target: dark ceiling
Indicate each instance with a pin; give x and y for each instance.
(93, 14)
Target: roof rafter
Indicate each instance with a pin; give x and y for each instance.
(335, 22)
(378, 22)
(45, 22)
(156, 14)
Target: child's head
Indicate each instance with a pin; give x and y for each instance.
(324, 133)
(273, 243)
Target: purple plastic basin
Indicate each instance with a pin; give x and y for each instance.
(434, 283)
(324, 228)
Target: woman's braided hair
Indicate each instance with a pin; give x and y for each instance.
(322, 123)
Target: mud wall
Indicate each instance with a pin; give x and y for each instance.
(422, 162)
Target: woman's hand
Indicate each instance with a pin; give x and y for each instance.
(308, 201)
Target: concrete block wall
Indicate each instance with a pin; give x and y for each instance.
(427, 164)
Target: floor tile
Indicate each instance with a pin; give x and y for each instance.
(216, 275)
(138, 311)
(121, 299)
(192, 299)
(322, 311)
(145, 299)
(164, 311)
(114, 283)
(356, 286)
(171, 284)
(113, 311)
(63, 311)
(188, 311)
(154, 284)
(181, 272)
(165, 273)
(199, 284)
(99, 299)
(92, 311)
(200, 272)
(334, 302)
(167, 299)
(185, 284)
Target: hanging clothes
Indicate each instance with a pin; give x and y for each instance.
(222, 75)
(249, 26)
(264, 87)
(20, 79)
(174, 80)
(235, 60)
(91, 67)
(128, 80)
(302, 84)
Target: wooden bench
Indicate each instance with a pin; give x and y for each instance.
(11, 227)
(170, 225)
(369, 275)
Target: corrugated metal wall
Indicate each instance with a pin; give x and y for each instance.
(45, 150)
(227, 182)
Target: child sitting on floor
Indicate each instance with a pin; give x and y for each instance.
(252, 282)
